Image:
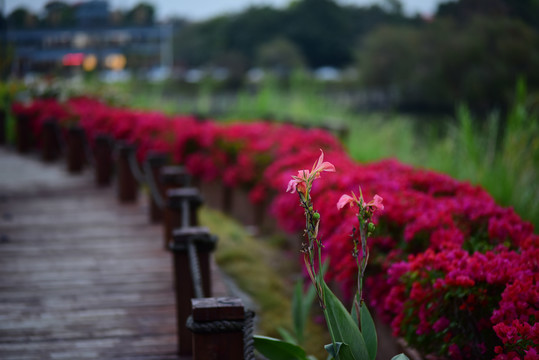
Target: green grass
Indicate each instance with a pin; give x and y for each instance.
(257, 267)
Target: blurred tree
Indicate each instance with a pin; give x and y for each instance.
(393, 6)
(21, 18)
(58, 14)
(141, 14)
(321, 30)
(526, 10)
(249, 29)
(279, 55)
(196, 44)
(324, 31)
(117, 17)
(234, 65)
(444, 63)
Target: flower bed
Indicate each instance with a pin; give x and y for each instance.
(453, 272)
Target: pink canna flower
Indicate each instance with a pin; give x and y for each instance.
(322, 165)
(345, 200)
(299, 183)
(376, 203)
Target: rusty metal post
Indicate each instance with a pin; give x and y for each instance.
(75, 151)
(127, 186)
(104, 164)
(23, 134)
(181, 210)
(217, 326)
(154, 163)
(50, 142)
(204, 243)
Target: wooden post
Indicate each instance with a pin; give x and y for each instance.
(218, 195)
(103, 159)
(228, 198)
(210, 344)
(185, 288)
(174, 176)
(154, 162)
(75, 152)
(3, 118)
(50, 142)
(127, 186)
(174, 211)
(23, 134)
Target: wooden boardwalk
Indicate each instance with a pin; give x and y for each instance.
(81, 276)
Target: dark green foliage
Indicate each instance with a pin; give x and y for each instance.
(324, 32)
(438, 65)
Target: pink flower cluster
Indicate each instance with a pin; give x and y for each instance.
(455, 273)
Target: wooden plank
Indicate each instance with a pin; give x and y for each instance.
(81, 276)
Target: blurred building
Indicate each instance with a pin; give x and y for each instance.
(93, 42)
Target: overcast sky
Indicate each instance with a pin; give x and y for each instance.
(202, 9)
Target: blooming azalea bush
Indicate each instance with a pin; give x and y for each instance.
(454, 273)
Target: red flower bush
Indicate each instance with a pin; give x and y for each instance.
(454, 273)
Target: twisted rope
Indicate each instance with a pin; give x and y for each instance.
(194, 266)
(248, 341)
(220, 326)
(135, 170)
(214, 327)
(154, 190)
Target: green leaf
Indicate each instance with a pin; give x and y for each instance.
(339, 351)
(368, 330)
(342, 327)
(285, 334)
(275, 349)
(400, 357)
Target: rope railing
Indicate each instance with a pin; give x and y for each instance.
(135, 169)
(194, 266)
(190, 244)
(221, 321)
(155, 192)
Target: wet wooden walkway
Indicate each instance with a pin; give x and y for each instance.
(81, 276)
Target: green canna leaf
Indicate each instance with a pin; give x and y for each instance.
(342, 327)
(368, 330)
(275, 349)
(400, 357)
